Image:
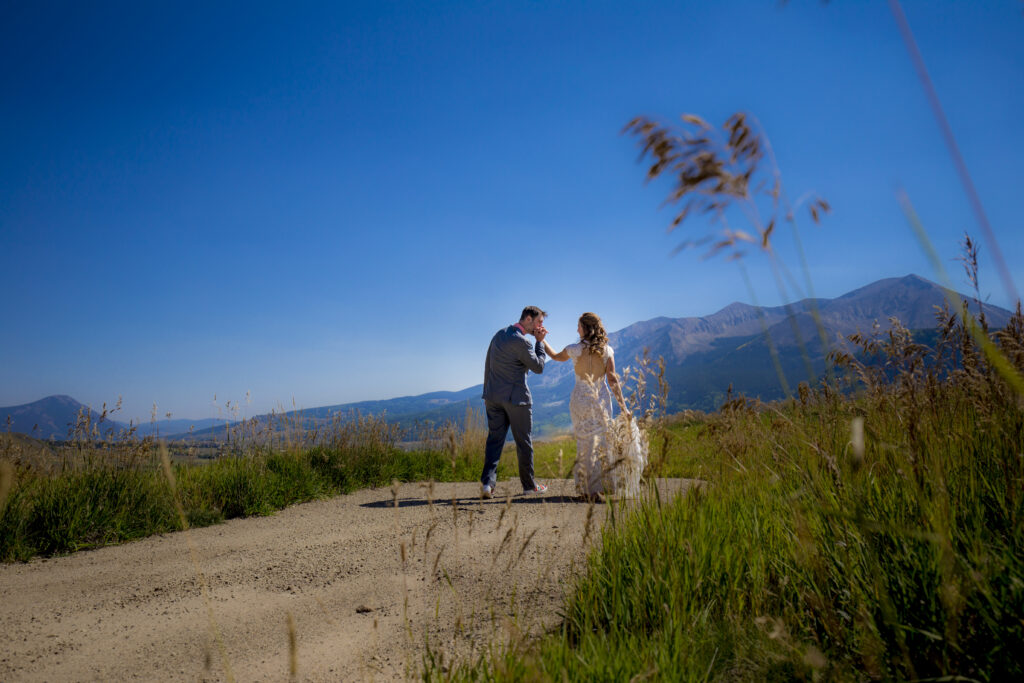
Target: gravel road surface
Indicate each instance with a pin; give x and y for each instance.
(349, 588)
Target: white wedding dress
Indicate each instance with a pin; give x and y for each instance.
(611, 453)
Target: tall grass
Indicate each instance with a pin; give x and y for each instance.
(877, 534)
(102, 492)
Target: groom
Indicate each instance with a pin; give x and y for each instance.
(510, 357)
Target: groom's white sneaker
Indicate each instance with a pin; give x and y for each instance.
(487, 492)
(538, 489)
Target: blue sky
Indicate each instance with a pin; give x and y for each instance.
(330, 202)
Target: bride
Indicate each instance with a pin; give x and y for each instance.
(610, 453)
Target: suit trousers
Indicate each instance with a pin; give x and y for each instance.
(500, 416)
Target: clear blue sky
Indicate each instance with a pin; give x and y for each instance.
(331, 202)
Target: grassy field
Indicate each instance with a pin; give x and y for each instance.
(87, 494)
(57, 498)
(875, 535)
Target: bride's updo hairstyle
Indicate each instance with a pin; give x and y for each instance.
(594, 336)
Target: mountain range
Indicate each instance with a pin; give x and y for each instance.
(55, 417)
(703, 357)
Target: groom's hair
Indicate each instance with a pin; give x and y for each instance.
(532, 312)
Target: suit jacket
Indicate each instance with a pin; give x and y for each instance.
(510, 357)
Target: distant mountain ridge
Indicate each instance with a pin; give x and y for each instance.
(703, 357)
(52, 417)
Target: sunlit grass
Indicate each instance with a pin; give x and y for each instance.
(117, 492)
(96, 493)
(839, 536)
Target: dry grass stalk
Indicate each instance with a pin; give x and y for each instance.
(712, 173)
(954, 149)
(994, 355)
(522, 550)
(6, 482)
(293, 648)
(504, 542)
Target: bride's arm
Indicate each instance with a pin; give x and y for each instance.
(561, 355)
(614, 384)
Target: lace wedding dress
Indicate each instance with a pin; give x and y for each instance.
(610, 452)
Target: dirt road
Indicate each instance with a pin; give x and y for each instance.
(328, 576)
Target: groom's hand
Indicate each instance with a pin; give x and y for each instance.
(539, 333)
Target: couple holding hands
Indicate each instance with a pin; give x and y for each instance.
(610, 452)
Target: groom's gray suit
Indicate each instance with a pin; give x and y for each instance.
(507, 399)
